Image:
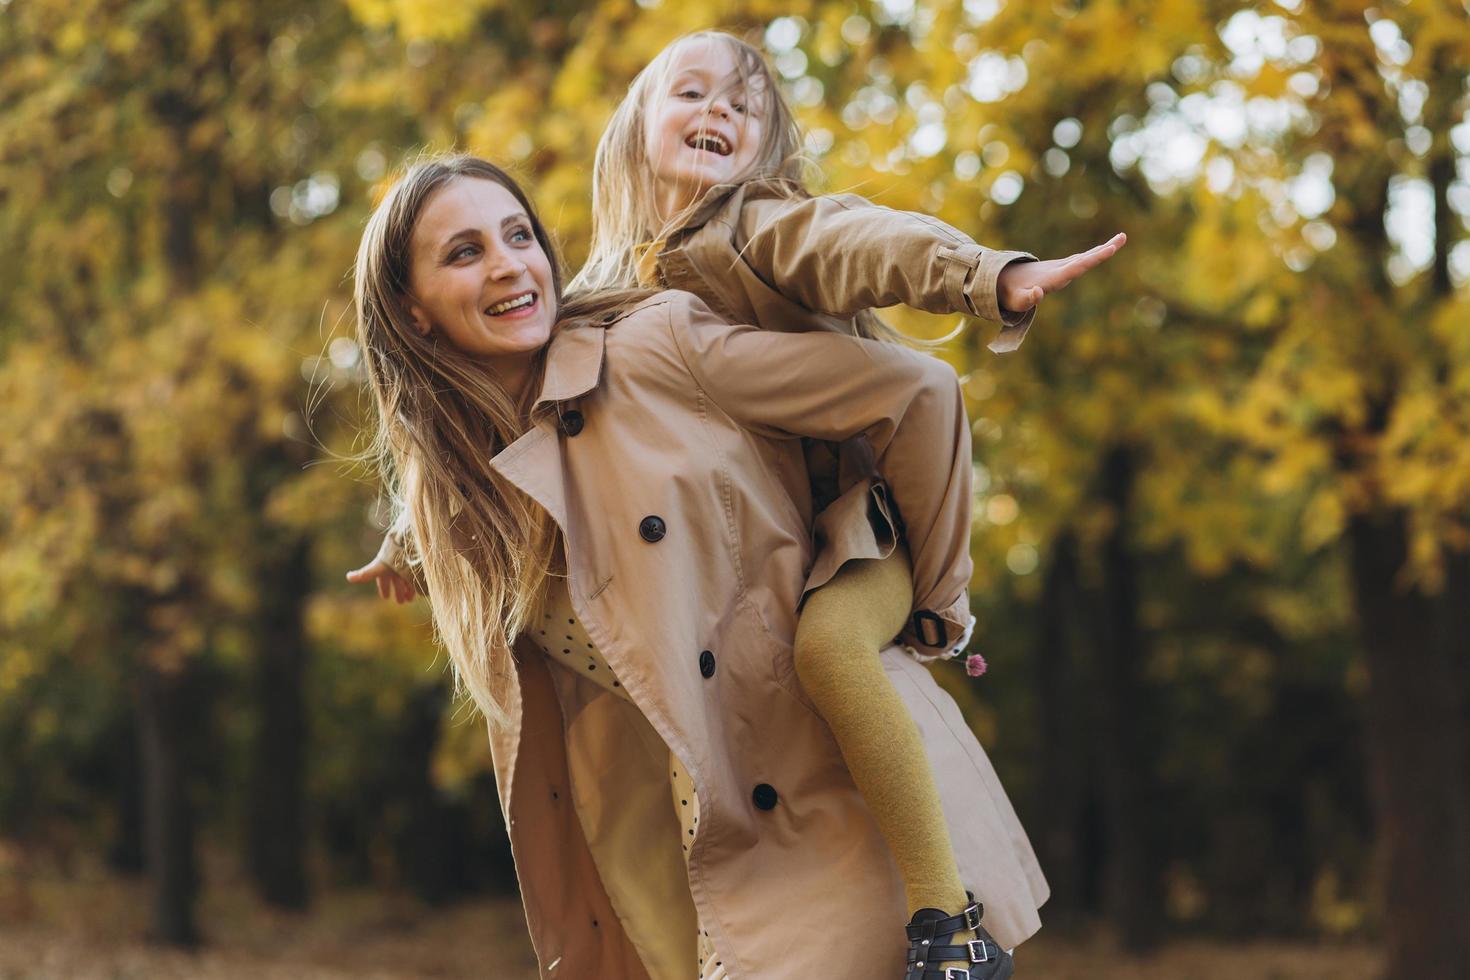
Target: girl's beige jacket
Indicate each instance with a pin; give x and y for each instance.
(759, 254)
(667, 446)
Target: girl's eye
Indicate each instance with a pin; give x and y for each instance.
(690, 93)
(521, 235)
(739, 107)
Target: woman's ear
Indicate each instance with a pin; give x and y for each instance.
(418, 317)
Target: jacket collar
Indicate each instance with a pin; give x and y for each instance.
(573, 362)
(574, 356)
(720, 197)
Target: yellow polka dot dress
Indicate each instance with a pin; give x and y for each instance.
(561, 637)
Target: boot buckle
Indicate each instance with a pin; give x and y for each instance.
(957, 973)
(972, 916)
(979, 951)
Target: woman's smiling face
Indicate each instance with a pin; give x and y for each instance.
(704, 127)
(477, 274)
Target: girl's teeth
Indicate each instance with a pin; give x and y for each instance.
(714, 144)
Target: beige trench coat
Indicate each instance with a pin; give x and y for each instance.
(666, 446)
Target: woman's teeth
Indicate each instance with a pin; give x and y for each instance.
(711, 142)
(512, 304)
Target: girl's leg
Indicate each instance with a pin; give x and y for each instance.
(842, 627)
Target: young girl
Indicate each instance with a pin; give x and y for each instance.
(697, 187)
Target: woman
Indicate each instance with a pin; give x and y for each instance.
(652, 451)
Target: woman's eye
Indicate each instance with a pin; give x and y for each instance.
(521, 235)
(462, 252)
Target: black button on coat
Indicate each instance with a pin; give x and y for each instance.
(706, 663)
(764, 796)
(652, 528)
(572, 422)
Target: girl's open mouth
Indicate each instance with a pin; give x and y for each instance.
(710, 143)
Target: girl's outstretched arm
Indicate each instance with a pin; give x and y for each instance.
(842, 253)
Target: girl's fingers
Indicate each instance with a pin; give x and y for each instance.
(1063, 271)
(382, 585)
(1110, 246)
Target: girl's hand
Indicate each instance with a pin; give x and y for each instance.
(1021, 285)
(388, 581)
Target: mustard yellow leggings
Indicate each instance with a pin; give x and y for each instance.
(838, 635)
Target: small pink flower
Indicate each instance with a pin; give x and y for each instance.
(975, 665)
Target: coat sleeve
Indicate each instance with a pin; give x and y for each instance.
(842, 253)
(834, 387)
(399, 550)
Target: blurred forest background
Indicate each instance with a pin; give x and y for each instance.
(1222, 521)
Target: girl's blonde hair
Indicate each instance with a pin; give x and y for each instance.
(483, 546)
(624, 213)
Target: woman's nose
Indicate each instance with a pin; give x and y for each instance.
(504, 265)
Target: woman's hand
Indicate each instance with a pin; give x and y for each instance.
(1021, 285)
(389, 582)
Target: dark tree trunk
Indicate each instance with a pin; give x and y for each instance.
(125, 851)
(1125, 756)
(168, 821)
(1063, 767)
(1418, 749)
(1417, 648)
(277, 808)
(427, 864)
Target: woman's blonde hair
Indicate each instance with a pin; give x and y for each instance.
(484, 548)
(624, 210)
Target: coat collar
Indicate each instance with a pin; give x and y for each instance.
(573, 368)
(573, 363)
(719, 197)
(574, 356)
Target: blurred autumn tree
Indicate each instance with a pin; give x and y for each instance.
(1221, 492)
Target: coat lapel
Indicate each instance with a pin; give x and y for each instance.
(533, 462)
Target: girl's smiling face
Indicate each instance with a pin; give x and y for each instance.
(704, 126)
(478, 276)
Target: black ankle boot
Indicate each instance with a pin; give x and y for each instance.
(930, 933)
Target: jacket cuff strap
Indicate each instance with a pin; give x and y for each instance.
(971, 275)
(1013, 325)
(938, 634)
(984, 293)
